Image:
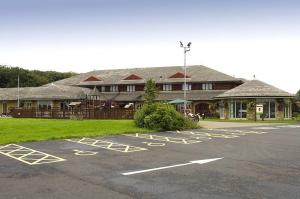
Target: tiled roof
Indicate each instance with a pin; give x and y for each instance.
(49, 92)
(255, 88)
(197, 73)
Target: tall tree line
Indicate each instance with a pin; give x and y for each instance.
(28, 78)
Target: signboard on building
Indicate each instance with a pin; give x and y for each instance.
(259, 109)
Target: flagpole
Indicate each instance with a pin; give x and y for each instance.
(18, 91)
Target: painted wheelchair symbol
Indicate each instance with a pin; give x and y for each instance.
(154, 144)
(78, 152)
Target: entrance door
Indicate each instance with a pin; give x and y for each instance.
(4, 108)
(202, 108)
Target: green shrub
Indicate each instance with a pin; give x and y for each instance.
(162, 117)
(141, 113)
(295, 115)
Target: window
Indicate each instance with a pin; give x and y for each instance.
(26, 104)
(269, 109)
(64, 105)
(167, 87)
(130, 88)
(238, 109)
(188, 87)
(102, 88)
(114, 88)
(207, 86)
(45, 105)
(287, 110)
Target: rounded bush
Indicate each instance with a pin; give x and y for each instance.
(162, 117)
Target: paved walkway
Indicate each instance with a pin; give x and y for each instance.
(216, 125)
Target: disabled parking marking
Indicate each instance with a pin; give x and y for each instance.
(78, 152)
(208, 136)
(237, 132)
(154, 144)
(217, 133)
(105, 144)
(194, 134)
(27, 155)
(265, 128)
(164, 138)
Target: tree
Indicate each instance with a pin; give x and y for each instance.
(151, 91)
(298, 93)
(28, 78)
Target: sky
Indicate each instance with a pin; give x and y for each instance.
(241, 38)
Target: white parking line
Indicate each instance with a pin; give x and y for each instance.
(154, 144)
(265, 128)
(164, 138)
(114, 146)
(27, 155)
(217, 133)
(83, 153)
(289, 126)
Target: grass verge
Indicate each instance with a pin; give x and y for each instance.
(24, 130)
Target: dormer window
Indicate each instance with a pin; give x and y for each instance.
(179, 75)
(133, 77)
(92, 79)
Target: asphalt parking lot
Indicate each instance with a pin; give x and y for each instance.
(247, 162)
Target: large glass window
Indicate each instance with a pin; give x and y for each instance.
(167, 87)
(269, 109)
(238, 109)
(287, 110)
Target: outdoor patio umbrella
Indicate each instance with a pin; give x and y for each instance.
(179, 101)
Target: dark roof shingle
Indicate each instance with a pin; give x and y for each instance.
(197, 73)
(255, 88)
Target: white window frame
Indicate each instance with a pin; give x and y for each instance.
(130, 88)
(27, 104)
(268, 102)
(47, 103)
(233, 107)
(188, 86)
(207, 86)
(167, 87)
(287, 110)
(114, 88)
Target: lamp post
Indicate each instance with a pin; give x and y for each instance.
(186, 48)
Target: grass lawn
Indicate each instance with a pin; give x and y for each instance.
(22, 130)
